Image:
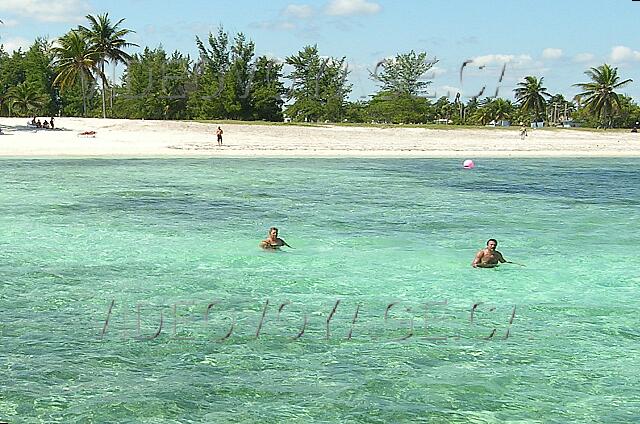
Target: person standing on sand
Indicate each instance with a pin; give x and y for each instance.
(523, 132)
(219, 136)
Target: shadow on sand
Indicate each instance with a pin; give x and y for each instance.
(26, 127)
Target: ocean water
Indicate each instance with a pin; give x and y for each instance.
(134, 291)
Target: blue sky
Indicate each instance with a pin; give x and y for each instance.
(558, 40)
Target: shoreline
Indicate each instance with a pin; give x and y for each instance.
(121, 139)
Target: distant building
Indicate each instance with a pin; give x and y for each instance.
(570, 123)
(501, 123)
(537, 124)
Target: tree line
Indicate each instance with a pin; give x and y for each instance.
(228, 80)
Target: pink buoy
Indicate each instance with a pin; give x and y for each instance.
(468, 164)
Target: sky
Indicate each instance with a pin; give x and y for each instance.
(557, 40)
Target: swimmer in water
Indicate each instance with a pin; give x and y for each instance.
(488, 257)
(273, 242)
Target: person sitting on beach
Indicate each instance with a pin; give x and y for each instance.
(488, 257)
(38, 124)
(635, 128)
(45, 124)
(273, 242)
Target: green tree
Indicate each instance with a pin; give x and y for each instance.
(496, 109)
(12, 69)
(531, 96)
(599, 96)
(75, 60)
(390, 107)
(107, 40)
(217, 56)
(404, 73)
(319, 86)
(229, 83)
(267, 90)
(401, 81)
(39, 73)
(559, 108)
(469, 110)
(626, 116)
(483, 113)
(445, 109)
(628, 113)
(357, 112)
(236, 97)
(154, 86)
(205, 101)
(33, 67)
(25, 99)
(501, 109)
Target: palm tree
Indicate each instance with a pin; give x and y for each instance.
(483, 114)
(75, 59)
(25, 99)
(559, 109)
(598, 95)
(501, 109)
(531, 96)
(107, 39)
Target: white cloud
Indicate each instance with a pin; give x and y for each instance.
(12, 44)
(499, 59)
(300, 11)
(583, 57)
(294, 17)
(623, 54)
(46, 10)
(552, 53)
(352, 7)
(286, 26)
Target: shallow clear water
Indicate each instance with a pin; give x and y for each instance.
(174, 242)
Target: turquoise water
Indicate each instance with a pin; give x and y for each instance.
(174, 242)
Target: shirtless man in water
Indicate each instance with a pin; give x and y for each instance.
(273, 242)
(488, 257)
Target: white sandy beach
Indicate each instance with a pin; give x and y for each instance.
(129, 138)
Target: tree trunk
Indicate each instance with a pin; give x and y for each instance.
(84, 95)
(104, 101)
(113, 81)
